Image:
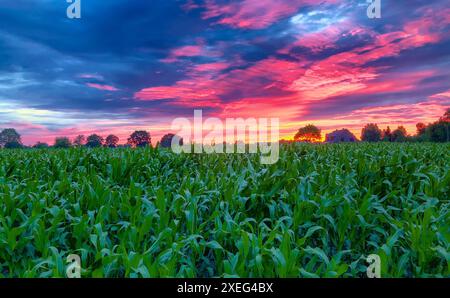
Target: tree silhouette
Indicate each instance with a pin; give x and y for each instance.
(94, 141)
(166, 141)
(421, 128)
(387, 135)
(139, 138)
(309, 133)
(440, 130)
(9, 135)
(79, 140)
(371, 133)
(446, 117)
(112, 141)
(399, 135)
(446, 120)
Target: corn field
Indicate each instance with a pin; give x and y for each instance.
(318, 212)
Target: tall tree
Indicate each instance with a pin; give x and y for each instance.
(94, 141)
(112, 141)
(446, 117)
(371, 133)
(309, 133)
(79, 140)
(140, 138)
(387, 135)
(399, 135)
(9, 135)
(446, 120)
(439, 132)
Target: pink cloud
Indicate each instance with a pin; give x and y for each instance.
(255, 14)
(199, 50)
(190, 93)
(206, 84)
(346, 73)
(102, 87)
(209, 67)
(285, 108)
(327, 37)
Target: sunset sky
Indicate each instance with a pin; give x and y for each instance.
(135, 64)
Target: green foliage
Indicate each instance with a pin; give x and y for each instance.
(439, 132)
(318, 212)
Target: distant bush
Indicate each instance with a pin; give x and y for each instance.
(40, 145)
(62, 143)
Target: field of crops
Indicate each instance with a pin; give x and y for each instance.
(318, 212)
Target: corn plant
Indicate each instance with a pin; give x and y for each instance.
(318, 212)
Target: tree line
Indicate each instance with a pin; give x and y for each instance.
(11, 139)
(438, 131)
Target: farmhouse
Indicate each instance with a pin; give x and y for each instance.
(340, 136)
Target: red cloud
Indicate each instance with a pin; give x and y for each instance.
(287, 88)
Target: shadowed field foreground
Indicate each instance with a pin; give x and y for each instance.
(318, 212)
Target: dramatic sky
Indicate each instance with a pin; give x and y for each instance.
(138, 64)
